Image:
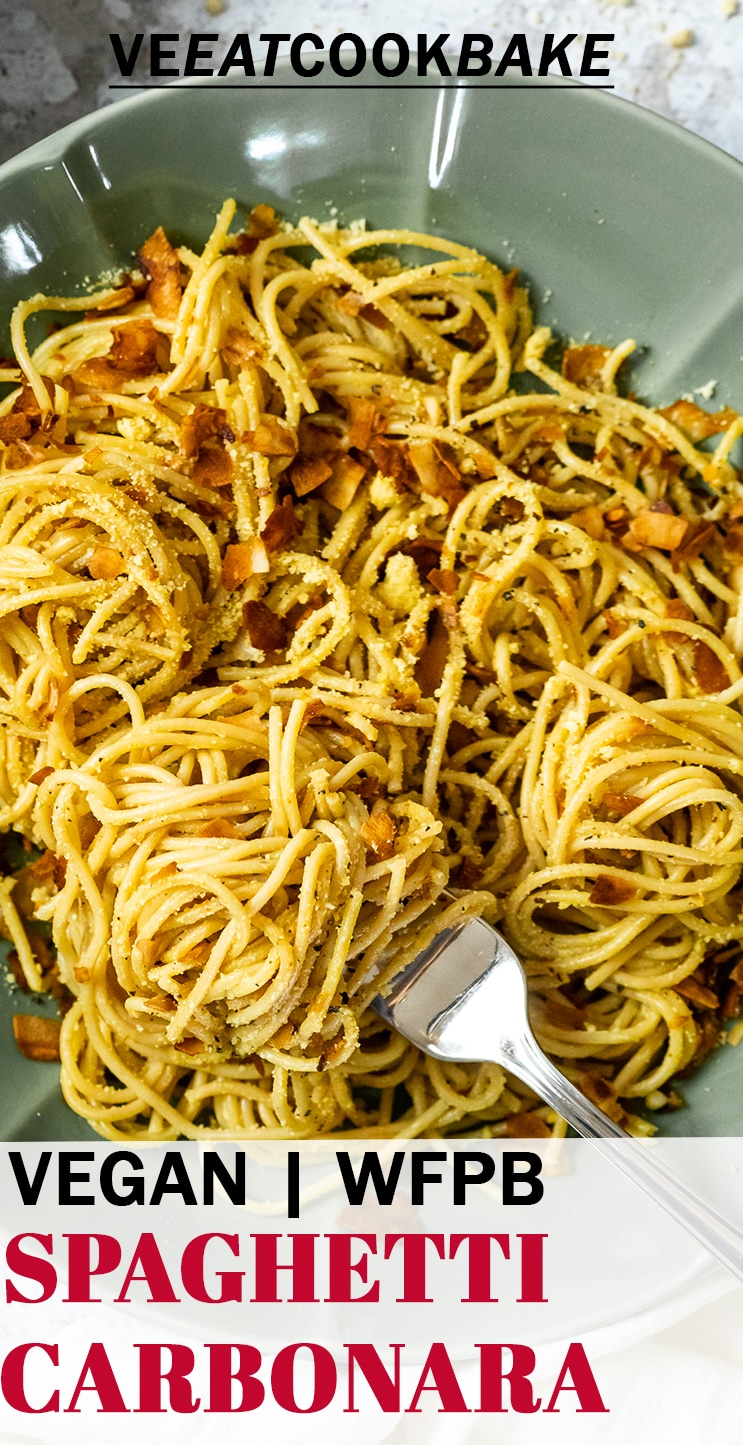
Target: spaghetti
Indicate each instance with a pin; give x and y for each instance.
(305, 613)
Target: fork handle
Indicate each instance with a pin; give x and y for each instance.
(717, 1234)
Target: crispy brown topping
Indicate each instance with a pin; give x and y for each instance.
(601, 1093)
(213, 467)
(676, 608)
(429, 668)
(191, 1046)
(136, 351)
(341, 488)
(202, 425)
(49, 869)
(444, 581)
(89, 828)
(653, 527)
(380, 831)
(262, 221)
(15, 427)
(583, 365)
(611, 892)
(698, 536)
(437, 475)
(23, 421)
(697, 993)
(265, 629)
(41, 775)
(333, 1053)
(622, 803)
(308, 473)
(695, 423)
(562, 1013)
(219, 828)
(708, 669)
(160, 262)
(590, 520)
(511, 508)
(37, 1038)
(392, 460)
(242, 560)
(240, 347)
(105, 563)
(468, 873)
(615, 625)
(733, 541)
(526, 1126)
(363, 420)
(271, 439)
(281, 527)
(425, 552)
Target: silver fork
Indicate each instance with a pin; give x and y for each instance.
(464, 999)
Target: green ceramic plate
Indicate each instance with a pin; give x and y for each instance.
(623, 224)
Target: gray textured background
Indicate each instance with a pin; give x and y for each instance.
(56, 61)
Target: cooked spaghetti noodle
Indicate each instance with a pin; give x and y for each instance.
(306, 612)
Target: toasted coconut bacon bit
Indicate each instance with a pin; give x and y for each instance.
(308, 473)
(733, 543)
(731, 1003)
(41, 775)
(601, 1093)
(281, 526)
(697, 993)
(137, 350)
(220, 828)
(675, 607)
(708, 669)
(15, 427)
(37, 1038)
(213, 467)
(342, 486)
(334, 1053)
(590, 520)
(444, 581)
(437, 475)
(191, 1046)
(264, 628)
(160, 262)
(526, 1126)
(262, 222)
(430, 666)
(105, 563)
(243, 560)
(49, 868)
(698, 536)
(653, 527)
(201, 425)
(379, 832)
(622, 803)
(611, 892)
(584, 365)
(271, 439)
(363, 421)
(695, 423)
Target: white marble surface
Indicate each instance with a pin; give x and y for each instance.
(56, 61)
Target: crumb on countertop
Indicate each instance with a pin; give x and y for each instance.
(682, 39)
